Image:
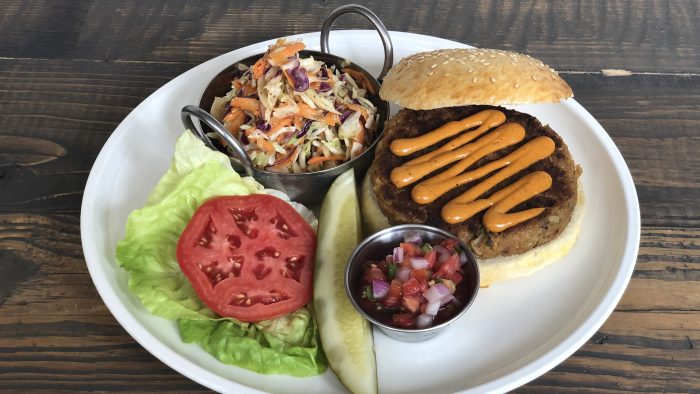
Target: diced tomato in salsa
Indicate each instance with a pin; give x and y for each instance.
(411, 287)
(406, 298)
(404, 320)
(449, 244)
(410, 250)
(449, 267)
(422, 276)
(373, 272)
(395, 293)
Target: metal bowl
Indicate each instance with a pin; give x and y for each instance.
(380, 244)
(310, 187)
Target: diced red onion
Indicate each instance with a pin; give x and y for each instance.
(432, 308)
(301, 81)
(442, 253)
(424, 321)
(398, 255)
(403, 274)
(436, 292)
(412, 237)
(380, 289)
(419, 263)
(462, 258)
(447, 299)
(324, 87)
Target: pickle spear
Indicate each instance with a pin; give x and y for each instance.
(345, 335)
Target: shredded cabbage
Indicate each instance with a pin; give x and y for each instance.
(271, 114)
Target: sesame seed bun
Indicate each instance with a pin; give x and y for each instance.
(458, 77)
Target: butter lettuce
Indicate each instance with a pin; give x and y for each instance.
(287, 345)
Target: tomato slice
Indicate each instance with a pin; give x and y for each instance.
(249, 257)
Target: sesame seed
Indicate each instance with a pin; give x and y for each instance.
(534, 78)
(553, 78)
(517, 85)
(433, 66)
(493, 80)
(487, 64)
(475, 80)
(447, 74)
(471, 70)
(430, 73)
(445, 62)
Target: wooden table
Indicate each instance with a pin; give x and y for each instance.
(71, 71)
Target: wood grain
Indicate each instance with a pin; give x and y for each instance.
(645, 36)
(71, 71)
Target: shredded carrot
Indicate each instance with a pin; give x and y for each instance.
(298, 122)
(247, 104)
(279, 56)
(287, 159)
(360, 78)
(358, 108)
(265, 144)
(259, 68)
(237, 84)
(331, 119)
(361, 135)
(321, 159)
(248, 90)
(233, 120)
(278, 123)
(308, 112)
(290, 80)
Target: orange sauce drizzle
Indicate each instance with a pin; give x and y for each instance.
(466, 153)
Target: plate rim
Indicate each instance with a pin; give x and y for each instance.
(533, 369)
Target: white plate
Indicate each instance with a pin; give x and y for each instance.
(514, 332)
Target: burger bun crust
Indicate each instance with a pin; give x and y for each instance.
(466, 76)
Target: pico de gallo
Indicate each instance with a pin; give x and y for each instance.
(418, 285)
(297, 114)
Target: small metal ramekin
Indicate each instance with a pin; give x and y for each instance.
(377, 246)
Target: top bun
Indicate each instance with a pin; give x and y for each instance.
(457, 77)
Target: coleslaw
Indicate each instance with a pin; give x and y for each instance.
(294, 114)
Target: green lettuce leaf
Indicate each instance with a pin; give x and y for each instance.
(283, 345)
(287, 345)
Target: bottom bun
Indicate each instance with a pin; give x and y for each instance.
(495, 269)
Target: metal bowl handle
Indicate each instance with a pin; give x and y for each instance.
(190, 111)
(372, 17)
